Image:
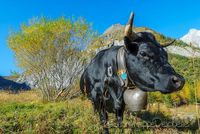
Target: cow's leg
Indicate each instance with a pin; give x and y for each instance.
(119, 117)
(95, 95)
(98, 102)
(104, 120)
(102, 112)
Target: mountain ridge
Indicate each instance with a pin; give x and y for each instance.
(114, 34)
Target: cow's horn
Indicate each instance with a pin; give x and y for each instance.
(166, 44)
(128, 29)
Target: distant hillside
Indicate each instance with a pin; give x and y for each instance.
(115, 34)
(9, 83)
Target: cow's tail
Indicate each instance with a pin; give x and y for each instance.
(82, 84)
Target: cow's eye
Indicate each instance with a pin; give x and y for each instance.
(142, 53)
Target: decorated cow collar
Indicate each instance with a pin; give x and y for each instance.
(121, 68)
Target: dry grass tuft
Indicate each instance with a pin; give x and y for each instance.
(24, 96)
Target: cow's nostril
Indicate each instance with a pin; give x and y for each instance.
(175, 81)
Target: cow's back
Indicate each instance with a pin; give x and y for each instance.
(102, 61)
(97, 69)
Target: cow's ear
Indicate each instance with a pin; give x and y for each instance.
(130, 45)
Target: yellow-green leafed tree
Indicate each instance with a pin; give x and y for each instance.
(51, 51)
(198, 90)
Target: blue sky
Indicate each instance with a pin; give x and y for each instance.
(171, 17)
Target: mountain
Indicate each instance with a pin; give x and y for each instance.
(114, 35)
(11, 84)
(192, 37)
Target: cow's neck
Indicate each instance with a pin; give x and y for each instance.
(122, 70)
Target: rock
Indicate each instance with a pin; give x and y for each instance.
(186, 51)
(113, 28)
(192, 37)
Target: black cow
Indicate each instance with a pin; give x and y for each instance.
(146, 64)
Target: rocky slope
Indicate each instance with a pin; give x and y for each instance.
(186, 51)
(186, 46)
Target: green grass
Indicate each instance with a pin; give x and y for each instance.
(59, 117)
(77, 116)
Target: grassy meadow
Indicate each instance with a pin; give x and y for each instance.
(53, 48)
(27, 113)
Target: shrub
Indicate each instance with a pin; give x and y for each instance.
(49, 52)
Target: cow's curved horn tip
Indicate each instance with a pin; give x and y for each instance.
(128, 27)
(168, 43)
(132, 13)
(131, 18)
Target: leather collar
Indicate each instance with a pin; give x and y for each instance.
(121, 68)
